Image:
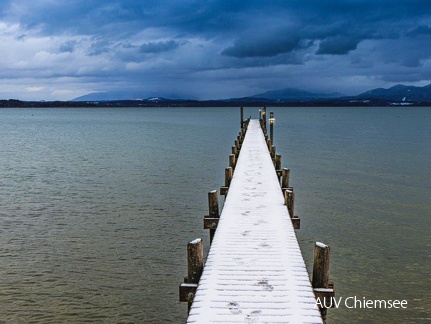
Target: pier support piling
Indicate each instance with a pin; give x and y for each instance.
(242, 116)
(320, 280)
(232, 161)
(285, 178)
(271, 127)
(195, 265)
(228, 174)
(211, 221)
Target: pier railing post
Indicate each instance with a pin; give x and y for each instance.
(278, 164)
(285, 178)
(272, 152)
(242, 116)
(195, 265)
(289, 201)
(211, 221)
(264, 119)
(271, 127)
(213, 204)
(232, 161)
(320, 281)
(289, 196)
(235, 151)
(228, 174)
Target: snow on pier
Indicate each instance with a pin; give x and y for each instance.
(255, 272)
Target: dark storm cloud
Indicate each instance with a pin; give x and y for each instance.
(159, 47)
(419, 31)
(263, 44)
(190, 38)
(337, 45)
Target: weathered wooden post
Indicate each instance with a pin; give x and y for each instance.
(278, 162)
(235, 151)
(211, 220)
(285, 176)
(213, 204)
(272, 152)
(195, 265)
(232, 161)
(271, 127)
(278, 166)
(242, 116)
(289, 201)
(228, 174)
(264, 119)
(320, 281)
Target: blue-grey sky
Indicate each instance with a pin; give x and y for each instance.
(62, 49)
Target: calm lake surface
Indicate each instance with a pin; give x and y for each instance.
(97, 206)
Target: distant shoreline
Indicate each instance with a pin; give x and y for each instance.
(13, 103)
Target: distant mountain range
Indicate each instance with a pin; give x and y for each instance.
(399, 94)
(123, 95)
(295, 94)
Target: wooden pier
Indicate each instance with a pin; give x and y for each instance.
(255, 272)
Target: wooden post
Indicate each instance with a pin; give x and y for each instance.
(228, 174)
(320, 280)
(278, 164)
(242, 116)
(211, 220)
(264, 119)
(195, 266)
(271, 127)
(289, 199)
(213, 212)
(237, 144)
(213, 204)
(272, 152)
(232, 161)
(195, 256)
(321, 266)
(195, 260)
(285, 178)
(234, 151)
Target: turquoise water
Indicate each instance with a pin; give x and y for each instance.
(97, 206)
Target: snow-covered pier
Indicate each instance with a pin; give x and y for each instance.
(255, 272)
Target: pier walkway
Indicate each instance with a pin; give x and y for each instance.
(255, 272)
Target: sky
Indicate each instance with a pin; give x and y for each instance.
(63, 49)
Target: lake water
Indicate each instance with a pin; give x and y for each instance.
(97, 206)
